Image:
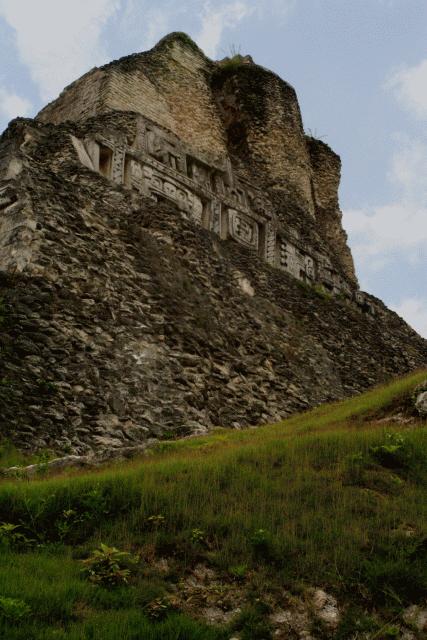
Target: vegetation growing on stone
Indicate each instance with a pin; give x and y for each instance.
(332, 499)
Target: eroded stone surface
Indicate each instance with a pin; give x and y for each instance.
(416, 616)
(158, 277)
(421, 399)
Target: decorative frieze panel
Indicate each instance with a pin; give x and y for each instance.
(196, 208)
(243, 229)
(296, 262)
(309, 267)
(215, 223)
(164, 150)
(199, 173)
(157, 164)
(290, 259)
(117, 166)
(136, 175)
(270, 243)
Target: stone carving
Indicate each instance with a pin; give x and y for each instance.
(270, 243)
(243, 229)
(164, 150)
(156, 146)
(309, 267)
(256, 202)
(296, 262)
(196, 208)
(82, 153)
(216, 217)
(136, 170)
(157, 183)
(118, 165)
(218, 184)
(198, 173)
(159, 165)
(170, 190)
(182, 197)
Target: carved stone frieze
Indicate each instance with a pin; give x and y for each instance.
(215, 225)
(157, 164)
(117, 165)
(270, 243)
(243, 229)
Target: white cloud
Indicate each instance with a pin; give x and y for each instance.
(409, 85)
(379, 232)
(12, 105)
(58, 40)
(144, 25)
(217, 18)
(414, 311)
(409, 168)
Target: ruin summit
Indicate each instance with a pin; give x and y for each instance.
(172, 258)
(227, 148)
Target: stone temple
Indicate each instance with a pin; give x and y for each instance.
(172, 259)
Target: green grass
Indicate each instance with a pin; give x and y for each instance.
(325, 498)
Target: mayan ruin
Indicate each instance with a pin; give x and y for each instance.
(173, 259)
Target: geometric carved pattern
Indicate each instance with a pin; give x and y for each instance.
(157, 164)
(243, 228)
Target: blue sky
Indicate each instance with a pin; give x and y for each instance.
(359, 68)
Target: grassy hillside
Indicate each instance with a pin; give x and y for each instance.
(332, 499)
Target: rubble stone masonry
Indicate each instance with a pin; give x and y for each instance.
(172, 259)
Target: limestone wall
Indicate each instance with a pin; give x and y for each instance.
(169, 85)
(231, 113)
(326, 172)
(127, 319)
(264, 126)
(81, 99)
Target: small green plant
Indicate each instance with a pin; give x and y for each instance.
(391, 631)
(108, 566)
(197, 536)
(13, 610)
(239, 572)
(94, 504)
(253, 624)
(394, 453)
(261, 543)
(159, 608)
(12, 536)
(67, 523)
(321, 292)
(156, 521)
(356, 621)
(42, 460)
(354, 469)
(9, 454)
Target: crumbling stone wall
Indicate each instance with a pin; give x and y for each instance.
(264, 126)
(232, 113)
(168, 85)
(164, 229)
(326, 166)
(129, 320)
(81, 99)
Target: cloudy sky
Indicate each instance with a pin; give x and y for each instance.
(359, 68)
